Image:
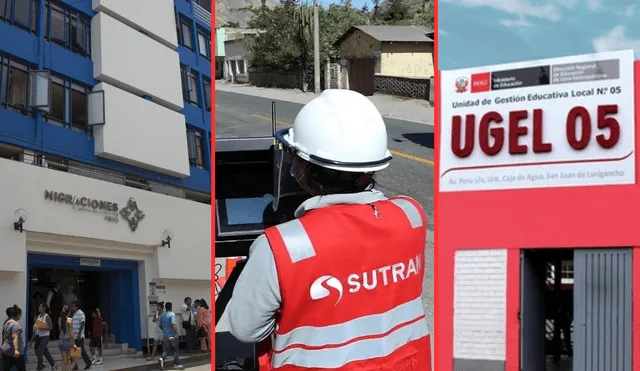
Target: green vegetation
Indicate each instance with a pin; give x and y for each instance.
(286, 43)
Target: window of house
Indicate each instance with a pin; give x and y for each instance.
(204, 44)
(20, 13)
(185, 37)
(196, 148)
(207, 93)
(14, 85)
(68, 104)
(241, 67)
(68, 28)
(189, 85)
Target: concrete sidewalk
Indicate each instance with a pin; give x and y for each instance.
(407, 109)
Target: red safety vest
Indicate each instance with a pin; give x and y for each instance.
(351, 284)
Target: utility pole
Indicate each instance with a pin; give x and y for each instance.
(316, 47)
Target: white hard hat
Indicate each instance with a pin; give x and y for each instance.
(340, 130)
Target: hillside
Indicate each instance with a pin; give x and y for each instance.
(236, 11)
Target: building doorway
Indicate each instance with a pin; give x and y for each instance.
(361, 76)
(575, 309)
(111, 285)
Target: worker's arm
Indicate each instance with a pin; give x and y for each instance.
(251, 312)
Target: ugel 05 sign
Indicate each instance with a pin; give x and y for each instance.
(548, 123)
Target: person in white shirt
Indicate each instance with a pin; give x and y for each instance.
(69, 297)
(78, 321)
(42, 330)
(189, 325)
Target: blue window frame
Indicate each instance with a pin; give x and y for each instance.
(189, 85)
(68, 28)
(14, 85)
(19, 13)
(183, 27)
(206, 82)
(69, 106)
(196, 147)
(204, 43)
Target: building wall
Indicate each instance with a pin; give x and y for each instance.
(531, 218)
(407, 60)
(58, 228)
(480, 308)
(136, 15)
(359, 45)
(144, 48)
(220, 39)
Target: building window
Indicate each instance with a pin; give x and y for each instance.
(68, 104)
(241, 67)
(207, 93)
(14, 85)
(68, 28)
(567, 270)
(206, 4)
(204, 44)
(185, 37)
(189, 85)
(196, 148)
(20, 13)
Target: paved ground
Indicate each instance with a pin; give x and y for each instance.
(245, 111)
(392, 107)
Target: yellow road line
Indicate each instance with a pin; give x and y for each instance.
(395, 153)
(412, 157)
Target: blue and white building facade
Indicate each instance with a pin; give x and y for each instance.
(105, 133)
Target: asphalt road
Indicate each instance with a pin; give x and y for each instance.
(410, 173)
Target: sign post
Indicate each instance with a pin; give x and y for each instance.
(558, 122)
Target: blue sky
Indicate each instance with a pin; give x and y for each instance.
(484, 32)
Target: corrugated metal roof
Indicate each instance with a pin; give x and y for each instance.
(397, 33)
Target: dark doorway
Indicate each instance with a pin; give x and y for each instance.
(86, 286)
(361, 74)
(546, 318)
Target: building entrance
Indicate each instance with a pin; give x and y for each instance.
(575, 309)
(111, 285)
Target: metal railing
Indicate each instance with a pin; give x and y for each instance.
(202, 14)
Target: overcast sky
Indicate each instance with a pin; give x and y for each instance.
(484, 32)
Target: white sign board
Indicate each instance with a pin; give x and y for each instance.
(160, 290)
(89, 262)
(548, 123)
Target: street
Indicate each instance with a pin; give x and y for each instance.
(411, 143)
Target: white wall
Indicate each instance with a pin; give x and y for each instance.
(24, 187)
(161, 26)
(480, 289)
(142, 133)
(176, 291)
(126, 58)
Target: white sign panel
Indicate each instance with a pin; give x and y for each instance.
(548, 123)
(89, 262)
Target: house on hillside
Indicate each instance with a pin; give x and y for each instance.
(396, 60)
(220, 38)
(236, 54)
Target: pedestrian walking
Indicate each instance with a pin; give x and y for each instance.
(42, 332)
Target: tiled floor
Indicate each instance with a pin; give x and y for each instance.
(121, 363)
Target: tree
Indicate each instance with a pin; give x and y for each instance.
(397, 11)
(424, 16)
(365, 8)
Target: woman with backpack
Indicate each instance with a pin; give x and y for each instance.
(12, 341)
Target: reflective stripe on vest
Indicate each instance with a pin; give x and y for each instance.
(299, 245)
(373, 325)
(296, 240)
(357, 340)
